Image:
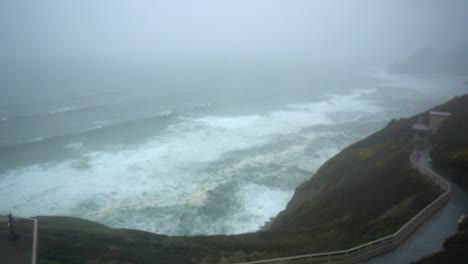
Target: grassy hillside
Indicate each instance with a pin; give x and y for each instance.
(450, 145)
(450, 156)
(366, 191)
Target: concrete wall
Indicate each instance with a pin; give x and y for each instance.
(435, 121)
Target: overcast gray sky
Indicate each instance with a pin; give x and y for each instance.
(367, 30)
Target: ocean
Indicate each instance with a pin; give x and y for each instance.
(194, 154)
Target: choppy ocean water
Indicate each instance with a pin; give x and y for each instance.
(185, 164)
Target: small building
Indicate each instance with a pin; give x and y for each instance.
(436, 118)
(424, 130)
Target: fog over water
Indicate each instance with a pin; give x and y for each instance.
(202, 117)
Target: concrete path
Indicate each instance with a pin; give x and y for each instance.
(430, 236)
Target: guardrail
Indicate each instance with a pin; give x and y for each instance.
(381, 245)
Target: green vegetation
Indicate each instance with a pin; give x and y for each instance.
(370, 182)
(450, 150)
(365, 192)
(450, 156)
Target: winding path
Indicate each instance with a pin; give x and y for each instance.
(424, 241)
(430, 236)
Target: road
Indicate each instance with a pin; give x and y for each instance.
(430, 236)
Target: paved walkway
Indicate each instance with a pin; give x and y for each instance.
(430, 236)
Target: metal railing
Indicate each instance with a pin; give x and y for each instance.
(381, 245)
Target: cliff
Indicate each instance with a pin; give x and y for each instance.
(450, 157)
(366, 191)
(433, 61)
(450, 144)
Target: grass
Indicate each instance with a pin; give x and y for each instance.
(450, 144)
(365, 192)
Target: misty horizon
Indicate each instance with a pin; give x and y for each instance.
(369, 33)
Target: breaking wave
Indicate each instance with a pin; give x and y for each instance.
(193, 174)
(67, 109)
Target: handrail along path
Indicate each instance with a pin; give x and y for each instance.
(381, 245)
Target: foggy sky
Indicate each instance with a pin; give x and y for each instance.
(369, 31)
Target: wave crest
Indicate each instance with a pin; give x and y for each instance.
(67, 109)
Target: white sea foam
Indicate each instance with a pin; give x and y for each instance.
(102, 122)
(67, 109)
(36, 139)
(424, 84)
(95, 127)
(258, 204)
(237, 122)
(166, 113)
(74, 146)
(203, 105)
(343, 103)
(168, 171)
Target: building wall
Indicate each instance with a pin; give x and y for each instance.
(435, 121)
